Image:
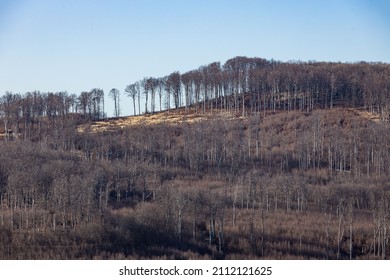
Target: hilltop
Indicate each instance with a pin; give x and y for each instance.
(254, 159)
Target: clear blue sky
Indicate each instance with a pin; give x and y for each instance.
(77, 45)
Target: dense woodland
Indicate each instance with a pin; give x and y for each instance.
(292, 161)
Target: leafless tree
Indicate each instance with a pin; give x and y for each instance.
(132, 92)
(114, 94)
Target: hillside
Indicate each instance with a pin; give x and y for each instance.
(172, 117)
(254, 159)
(191, 185)
(181, 116)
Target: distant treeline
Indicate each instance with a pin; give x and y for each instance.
(256, 84)
(241, 85)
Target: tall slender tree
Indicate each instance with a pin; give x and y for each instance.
(132, 92)
(114, 94)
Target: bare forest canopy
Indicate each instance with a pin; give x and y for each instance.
(251, 159)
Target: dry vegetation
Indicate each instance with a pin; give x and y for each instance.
(172, 117)
(375, 117)
(157, 190)
(259, 159)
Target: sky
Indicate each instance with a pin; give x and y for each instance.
(77, 45)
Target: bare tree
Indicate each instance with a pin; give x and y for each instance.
(153, 86)
(161, 85)
(174, 81)
(97, 96)
(132, 92)
(145, 86)
(114, 94)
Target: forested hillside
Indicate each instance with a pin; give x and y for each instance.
(251, 159)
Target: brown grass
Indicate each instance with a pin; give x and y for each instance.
(374, 117)
(280, 122)
(172, 117)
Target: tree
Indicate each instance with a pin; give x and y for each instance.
(10, 105)
(152, 86)
(84, 102)
(145, 85)
(132, 92)
(114, 94)
(174, 82)
(161, 85)
(97, 96)
(186, 78)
